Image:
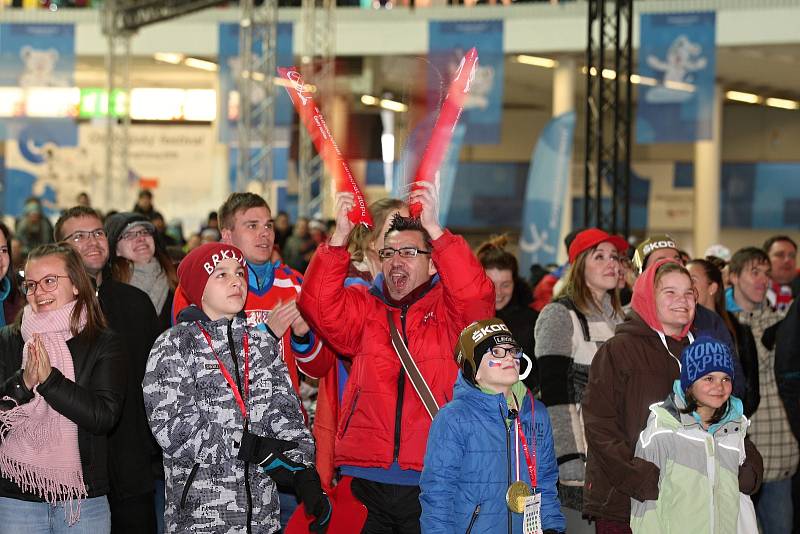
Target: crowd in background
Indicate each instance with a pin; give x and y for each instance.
(373, 365)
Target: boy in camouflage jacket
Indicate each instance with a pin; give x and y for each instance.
(220, 404)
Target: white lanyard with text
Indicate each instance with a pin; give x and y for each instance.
(664, 342)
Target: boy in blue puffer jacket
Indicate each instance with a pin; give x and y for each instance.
(484, 445)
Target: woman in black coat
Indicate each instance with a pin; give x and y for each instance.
(62, 380)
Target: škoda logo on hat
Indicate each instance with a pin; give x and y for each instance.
(479, 334)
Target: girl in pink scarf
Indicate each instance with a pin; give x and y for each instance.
(44, 403)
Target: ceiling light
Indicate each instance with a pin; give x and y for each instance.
(369, 100)
(201, 64)
(391, 105)
(644, 80)
(782, 103)
(168, 57)
(537, 61)
(739, 96)
(385, 103)
(679, 86)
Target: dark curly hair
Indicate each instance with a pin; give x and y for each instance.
(406, 224)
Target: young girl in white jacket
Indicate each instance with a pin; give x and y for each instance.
(696, 437)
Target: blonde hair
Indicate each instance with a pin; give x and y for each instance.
(362, 237)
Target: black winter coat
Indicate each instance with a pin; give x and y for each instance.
(93, 401)
(748, 356)
(131, 315)
(787, 363)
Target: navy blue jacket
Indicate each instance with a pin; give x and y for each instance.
(469, 457)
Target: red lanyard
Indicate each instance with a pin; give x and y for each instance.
(530, 461)
(236, 394)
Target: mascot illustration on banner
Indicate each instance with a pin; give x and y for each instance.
(683, 58)
(39, 68)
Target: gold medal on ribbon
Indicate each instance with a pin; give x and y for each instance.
(516, 495)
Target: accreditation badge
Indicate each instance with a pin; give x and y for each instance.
(532, 519)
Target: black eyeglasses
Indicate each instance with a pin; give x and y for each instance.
(48, 284)
(405, 252)
(499, 353)
(81, 236)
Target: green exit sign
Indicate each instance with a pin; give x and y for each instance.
(94, 103)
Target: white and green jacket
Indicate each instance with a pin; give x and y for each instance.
(699, 479)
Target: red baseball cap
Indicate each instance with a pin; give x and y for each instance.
(591, 237)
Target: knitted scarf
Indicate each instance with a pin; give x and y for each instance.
(39, 451)
(151, 278)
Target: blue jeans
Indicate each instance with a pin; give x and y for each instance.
(288, 506)
(18, 516)
(774, 509)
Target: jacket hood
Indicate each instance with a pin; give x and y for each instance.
(676, 402)
(192, 313)
(643, 301)
(730, 302)
(492, 404)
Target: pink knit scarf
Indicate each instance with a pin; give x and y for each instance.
(39, 451)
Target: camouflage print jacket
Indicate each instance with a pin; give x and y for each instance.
(196, 420)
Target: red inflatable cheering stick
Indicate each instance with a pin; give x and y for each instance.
(326, 146)
(445, 123)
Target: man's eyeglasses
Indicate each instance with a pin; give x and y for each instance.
(82, 236)
(48, 284)
(405, 252)
(497, 352)
(134, 234)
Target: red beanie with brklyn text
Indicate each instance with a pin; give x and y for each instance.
(197, 266)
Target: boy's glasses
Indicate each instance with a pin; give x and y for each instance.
(499, 353)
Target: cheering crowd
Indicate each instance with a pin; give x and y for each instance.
(635, 389)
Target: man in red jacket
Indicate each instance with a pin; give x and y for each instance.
(431, 287)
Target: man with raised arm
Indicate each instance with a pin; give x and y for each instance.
(430, 287)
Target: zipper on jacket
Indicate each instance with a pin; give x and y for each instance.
(473, 519)
(188, 483)
(232, 347)
(352, 411)
(712, 478)
(401, 383)
(508, 461)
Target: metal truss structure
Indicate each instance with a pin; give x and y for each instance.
(117, 63)
(318, 69)
(609, 52)
(256, 125)
(130, 15)
(258, 53)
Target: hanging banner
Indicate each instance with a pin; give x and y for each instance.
(548, 178)
(39, 61)
(230, 68)
(449, 42)
(677, 69)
